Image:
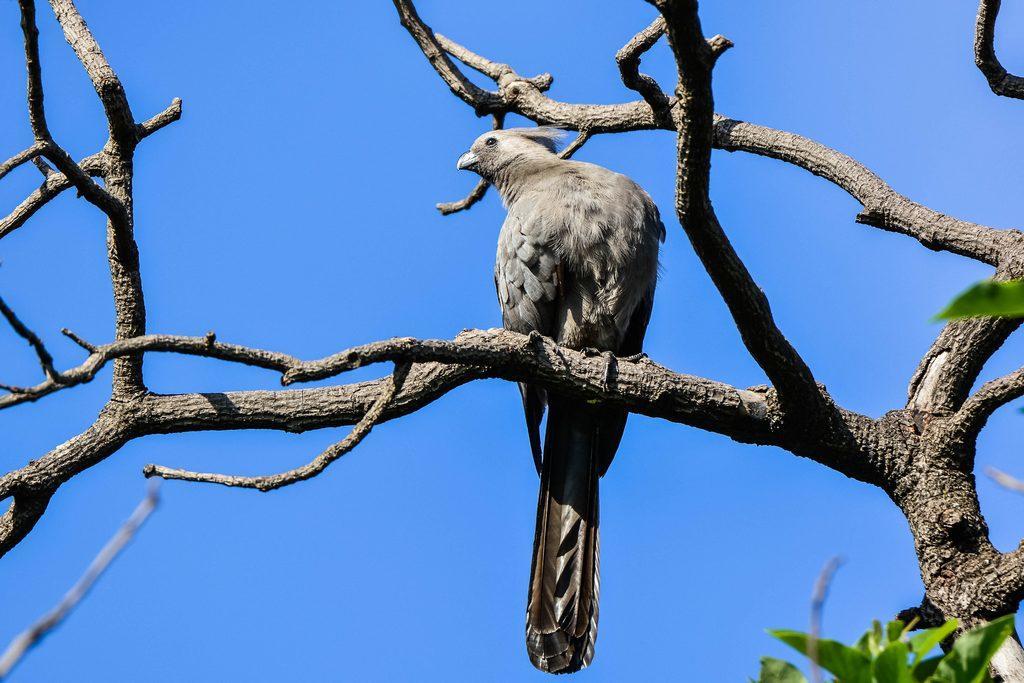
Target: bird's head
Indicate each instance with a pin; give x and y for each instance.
(498, 152)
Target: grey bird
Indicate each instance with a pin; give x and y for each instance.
(577, 262)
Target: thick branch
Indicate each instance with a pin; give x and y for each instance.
(1001, 82)
(883, 207)
(123, 132)
(639, 386)
(792, 378)
(386, 394)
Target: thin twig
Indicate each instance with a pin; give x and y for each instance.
(818, 597)
(309, 470)
(575, 145)
(45, 359)
(1005, 480)
(52, 619)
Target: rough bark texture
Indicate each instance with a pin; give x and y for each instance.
(921, 454)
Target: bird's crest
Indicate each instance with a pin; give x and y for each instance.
(548, 137)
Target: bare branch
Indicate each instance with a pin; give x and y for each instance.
(976, 410)
(193, 346)
(21, 517)
(45, 359)
(1005, 480)
(475, 195)
(494, 70)
(1001, 82)
(52, 619)
(53, 186)
(798, 391)
(480, 190)
(818, 596)
(36, 113)
(575, 145)
(639, 386)
(268, 483)
(628, 59)
(883, 207)
(123, 131)
(30, 154)
(482, 101)
(944, 378)
(37, 117)
(94, 165)
(161, 120)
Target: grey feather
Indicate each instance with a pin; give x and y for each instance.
(577, 261)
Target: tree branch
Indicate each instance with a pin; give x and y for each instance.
(387, 392)
(123, 131)
(24, 156)
(798, 391)
(999, 80)
(883, 207)
(482, 101)
(639, 386)
(975, 411)
(52, 619)
(36, 114)
(628, 59)
(478, 192)
(45, 359)
(94, 165)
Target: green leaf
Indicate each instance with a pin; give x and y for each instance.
(864, 643)
(891, 665)
(923, 642)
(846, 663)
(893, 631)
(924, 669)
(987, 297)
(968, 661)
(778, 671)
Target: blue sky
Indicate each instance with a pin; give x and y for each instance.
(292, 208)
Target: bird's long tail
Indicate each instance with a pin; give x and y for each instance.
(561, 611)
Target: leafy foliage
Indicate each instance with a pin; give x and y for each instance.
(988, 297)
(892, 655)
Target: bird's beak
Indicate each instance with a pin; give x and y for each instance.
(466, 162)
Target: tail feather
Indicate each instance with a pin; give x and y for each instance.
(561, 623)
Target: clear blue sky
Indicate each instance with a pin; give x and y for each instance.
(292, 208)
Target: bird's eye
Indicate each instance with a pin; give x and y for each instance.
(491, 141)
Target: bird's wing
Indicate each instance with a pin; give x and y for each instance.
(526, 278)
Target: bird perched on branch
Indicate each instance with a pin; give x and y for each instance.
(577, 262)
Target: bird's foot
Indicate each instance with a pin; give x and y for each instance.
(610, 366)
(636, 357)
